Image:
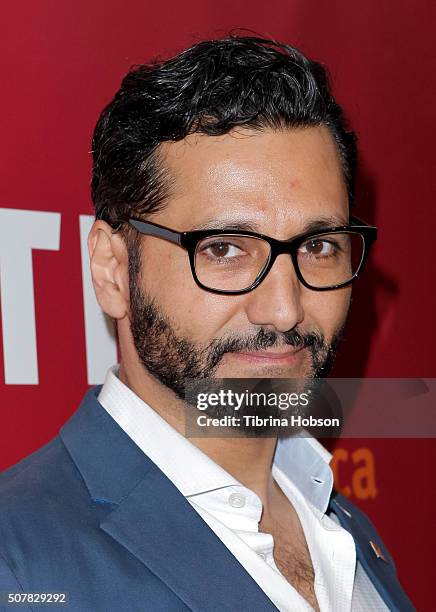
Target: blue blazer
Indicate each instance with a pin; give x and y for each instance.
(89, 514)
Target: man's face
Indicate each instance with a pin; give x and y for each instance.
(280, 182)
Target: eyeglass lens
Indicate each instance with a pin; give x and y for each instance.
(233, 263)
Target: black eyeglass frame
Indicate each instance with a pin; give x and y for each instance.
(189, 241)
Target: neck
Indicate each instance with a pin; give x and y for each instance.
(249, 460)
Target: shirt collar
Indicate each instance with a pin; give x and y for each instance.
(305, 461)
(301, 458)
(191, 470)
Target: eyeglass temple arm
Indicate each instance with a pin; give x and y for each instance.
(145, 227)
(356, 221)
(152, 229)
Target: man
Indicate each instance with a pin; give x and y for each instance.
(210, 169)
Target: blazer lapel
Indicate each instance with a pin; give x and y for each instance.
(372, 554)
(153, 520)
(160, 528)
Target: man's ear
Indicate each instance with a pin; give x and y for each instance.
(109, 269)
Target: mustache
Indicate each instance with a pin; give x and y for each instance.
(263, 339)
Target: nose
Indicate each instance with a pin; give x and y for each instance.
(276, 302)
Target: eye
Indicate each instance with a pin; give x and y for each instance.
(318, 247)
(221, 249)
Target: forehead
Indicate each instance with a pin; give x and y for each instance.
(277, 179)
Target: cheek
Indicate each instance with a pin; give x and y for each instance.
(196, 314)
(327, 310)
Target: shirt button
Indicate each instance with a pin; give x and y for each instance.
(262, 556)
(237, 500)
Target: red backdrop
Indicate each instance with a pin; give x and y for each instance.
(61, 62)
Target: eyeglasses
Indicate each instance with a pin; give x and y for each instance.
(236, 262)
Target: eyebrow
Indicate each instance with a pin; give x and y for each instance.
(315, 224)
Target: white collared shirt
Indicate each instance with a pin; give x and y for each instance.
(301, 469)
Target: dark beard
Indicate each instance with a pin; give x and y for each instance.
(172, 359)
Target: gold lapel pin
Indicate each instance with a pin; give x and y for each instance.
(377, 551)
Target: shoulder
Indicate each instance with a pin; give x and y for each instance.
(36, 476)
(40, 497)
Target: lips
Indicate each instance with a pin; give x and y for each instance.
(268, 355)
(289, 356)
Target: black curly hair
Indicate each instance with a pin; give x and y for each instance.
(210, 88)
